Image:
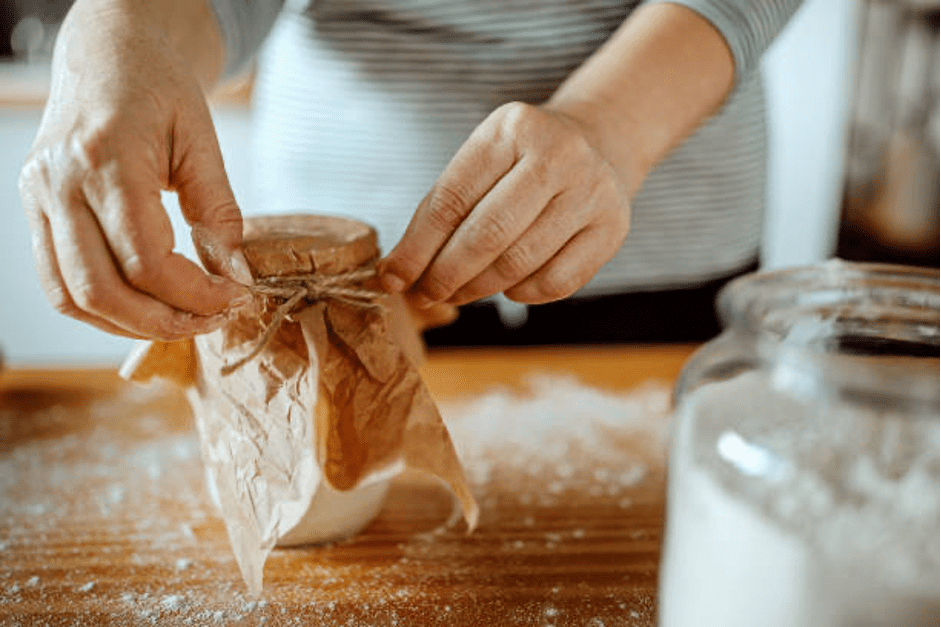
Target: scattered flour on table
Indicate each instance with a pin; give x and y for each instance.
(183, 563)
(560, 437)
(561, 444)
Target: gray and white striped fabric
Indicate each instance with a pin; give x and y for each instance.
(359, 105)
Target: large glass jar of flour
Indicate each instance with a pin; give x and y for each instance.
(803, 479)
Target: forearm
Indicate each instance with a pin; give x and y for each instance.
(188, 27)
(662, 72)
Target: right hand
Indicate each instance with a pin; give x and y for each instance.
(127, 118)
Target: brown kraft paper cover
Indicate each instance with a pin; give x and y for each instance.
(334, 396)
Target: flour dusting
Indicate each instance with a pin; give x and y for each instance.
(110, 515)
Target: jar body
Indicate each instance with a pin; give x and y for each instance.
(803, 478)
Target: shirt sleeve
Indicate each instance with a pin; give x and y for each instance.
(244, 24)
(748, 26)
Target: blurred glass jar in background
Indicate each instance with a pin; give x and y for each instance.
(804, 475)
(890, 202)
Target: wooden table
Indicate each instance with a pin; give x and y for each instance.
(104, 518)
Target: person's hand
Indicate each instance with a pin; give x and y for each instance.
(127, 118)
(528, 206)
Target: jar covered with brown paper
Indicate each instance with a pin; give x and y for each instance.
(309, 406)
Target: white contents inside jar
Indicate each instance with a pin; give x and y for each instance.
(786, 513)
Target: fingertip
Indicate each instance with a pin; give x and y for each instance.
(230, 289)
(239, 269)
(525, 293)
(460, 298)
(220, 257)
(420, 300)
(392, 277)
(392, 283)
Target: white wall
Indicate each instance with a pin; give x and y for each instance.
(808, 74)
(808, 70)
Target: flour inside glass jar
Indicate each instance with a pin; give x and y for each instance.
(785, 512)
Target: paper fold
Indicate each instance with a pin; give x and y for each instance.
(336, 396)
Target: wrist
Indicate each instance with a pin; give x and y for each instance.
(661, 73)
(611, 138)
(183, 31)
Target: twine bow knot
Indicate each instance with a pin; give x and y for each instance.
(293, 290)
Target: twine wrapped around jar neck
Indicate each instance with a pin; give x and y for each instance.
(299, 291)
(343, 287)
(306, 259)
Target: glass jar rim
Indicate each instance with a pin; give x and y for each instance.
(751, 302)
(869, 330)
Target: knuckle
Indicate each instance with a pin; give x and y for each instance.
(27, 175)
(91, 297)
(558, 284)
(546, 169)
(622, 224)
(92, 149)
(447, 207)
(515, 118)
(223, 213)
(139, 272)
(608, 188)
(437, 287)
(488, 235)
(617, 219)
(516, 112)
(61, 302)
(33, 174)
(515, 263)
(405, 265)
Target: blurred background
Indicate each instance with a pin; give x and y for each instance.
(853, 99)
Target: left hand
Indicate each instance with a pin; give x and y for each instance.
(528, 207)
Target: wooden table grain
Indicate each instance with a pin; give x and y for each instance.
(104, 518)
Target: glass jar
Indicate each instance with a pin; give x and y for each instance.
(804, 474)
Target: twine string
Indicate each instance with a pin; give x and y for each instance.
(300, 290)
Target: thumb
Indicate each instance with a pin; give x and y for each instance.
(206, 199)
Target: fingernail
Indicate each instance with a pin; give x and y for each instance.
(392, 283)
(240, 270)
(235, 291)
(220, 281)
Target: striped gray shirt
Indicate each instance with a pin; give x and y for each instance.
(359, 105)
